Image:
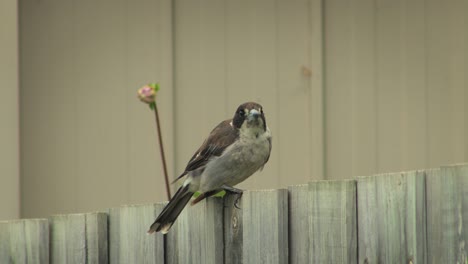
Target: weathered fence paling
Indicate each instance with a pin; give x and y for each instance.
(78, 238)
(407, 217)
(332, 222)
(129, 242)
(24, 241)
(393, 213)
(447, 214)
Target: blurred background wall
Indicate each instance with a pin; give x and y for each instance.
(349, 88)
(9, 111)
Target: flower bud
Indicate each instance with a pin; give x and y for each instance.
(147, 94)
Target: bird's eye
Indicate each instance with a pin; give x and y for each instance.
(261, 111)
(241, 112)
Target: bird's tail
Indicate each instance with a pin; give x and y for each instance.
(172, 210)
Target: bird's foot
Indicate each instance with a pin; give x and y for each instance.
(236, 191)
(232, 190)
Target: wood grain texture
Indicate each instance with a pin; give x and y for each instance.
(197, 235)
(128, 237)
(97, 238)
(24, 241)
(299, 211)
(447, 214)
(233, 230)
(79, 238)
(392, 218)
(332, 222)
(265, 226)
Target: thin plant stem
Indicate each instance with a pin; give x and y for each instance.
(161, 149)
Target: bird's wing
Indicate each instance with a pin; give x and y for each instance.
(221, 137)
(269, 141)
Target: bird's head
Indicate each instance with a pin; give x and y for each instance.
(250, 116)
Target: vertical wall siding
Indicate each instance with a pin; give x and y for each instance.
(395, 85)
(9, 111)
(87, 142)
(230, 52)
(393, 81)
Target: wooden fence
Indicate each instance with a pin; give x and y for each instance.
(409, 217)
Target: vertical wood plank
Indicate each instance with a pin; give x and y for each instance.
(197, 235)
(392, 218)
(128, 238)
(24, 241)
(332, 222)
(233, 230)
(265, 219)
(171, 247)
(299, 210)
(79, 238)
(97, 245)
(447, 214)
(68, 238)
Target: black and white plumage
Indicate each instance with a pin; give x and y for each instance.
(234, 150)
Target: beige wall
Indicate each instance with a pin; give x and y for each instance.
(396, 93)
(238, 51)
(386, 90)
(9, 114)
(87, 142)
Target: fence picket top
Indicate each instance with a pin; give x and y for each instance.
(299, 211)
(392, 217)
(79, 238)
(24, 220)
(332, 222)
(418, 216)
(265, 226)
(447, 214)
(128, 238)
(233, 229)
(460, 165)
(24, 241)
(197, 234)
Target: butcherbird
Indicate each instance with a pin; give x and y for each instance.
(234, 150)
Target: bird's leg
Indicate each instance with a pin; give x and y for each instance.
(233, 190)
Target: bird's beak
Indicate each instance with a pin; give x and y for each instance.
(253, 114)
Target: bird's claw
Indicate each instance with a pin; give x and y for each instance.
(232, 190)
(236, 203)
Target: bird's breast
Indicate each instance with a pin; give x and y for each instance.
(237, 163)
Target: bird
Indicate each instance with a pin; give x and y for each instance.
(234, 150)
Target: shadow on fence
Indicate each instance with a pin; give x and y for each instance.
(408, 217)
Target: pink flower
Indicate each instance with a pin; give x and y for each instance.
(147, 94)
